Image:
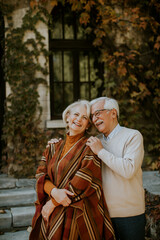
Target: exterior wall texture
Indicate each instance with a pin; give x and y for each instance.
(44, 94)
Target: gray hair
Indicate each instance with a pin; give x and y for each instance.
(109, 103)
(77, 103)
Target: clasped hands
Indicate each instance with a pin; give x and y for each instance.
(61, 197)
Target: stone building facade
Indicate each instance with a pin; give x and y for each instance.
(72, 71)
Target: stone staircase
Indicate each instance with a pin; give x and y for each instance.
(17, 197)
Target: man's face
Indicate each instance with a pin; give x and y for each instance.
(101, 118)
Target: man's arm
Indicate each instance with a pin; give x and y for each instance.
(53, 141)
(127, 165)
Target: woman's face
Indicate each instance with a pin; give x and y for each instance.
(77, 120)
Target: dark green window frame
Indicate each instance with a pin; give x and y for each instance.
(73, 61)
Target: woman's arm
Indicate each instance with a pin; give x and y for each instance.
(87, 179)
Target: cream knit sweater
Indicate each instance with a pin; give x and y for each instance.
(122, 158)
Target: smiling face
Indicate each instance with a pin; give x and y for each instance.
(104, 120)
(77, 120)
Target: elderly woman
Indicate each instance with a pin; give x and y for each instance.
(70, 203)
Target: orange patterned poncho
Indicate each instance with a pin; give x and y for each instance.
(78, 171)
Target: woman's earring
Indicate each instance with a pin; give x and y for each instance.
(88, 126)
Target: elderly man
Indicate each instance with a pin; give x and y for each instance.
(121, 151)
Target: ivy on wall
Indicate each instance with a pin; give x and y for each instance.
(126, 33)
(25, 140)
(128, 36)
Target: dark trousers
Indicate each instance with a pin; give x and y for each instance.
(129, 228)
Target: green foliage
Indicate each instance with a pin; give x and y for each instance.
(25, 140)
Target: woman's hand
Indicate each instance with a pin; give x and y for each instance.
(47, 210)
(61, 196)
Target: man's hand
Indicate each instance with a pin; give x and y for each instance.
(95, 144)
(47, 210)
(61, 196)
(52, 141)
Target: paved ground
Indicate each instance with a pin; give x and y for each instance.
(151, 182)
(20, 235)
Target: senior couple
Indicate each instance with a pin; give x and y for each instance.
(91, 188)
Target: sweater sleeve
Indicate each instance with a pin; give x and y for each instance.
(127, 165)
(48, 186)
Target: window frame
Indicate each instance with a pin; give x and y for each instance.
(75, 46)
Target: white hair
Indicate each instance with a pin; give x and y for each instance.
(77, 103)
(109, 103)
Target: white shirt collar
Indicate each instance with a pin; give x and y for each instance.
(113, 133)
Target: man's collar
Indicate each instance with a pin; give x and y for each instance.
(113, 133)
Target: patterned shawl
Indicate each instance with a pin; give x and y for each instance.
(79, 171)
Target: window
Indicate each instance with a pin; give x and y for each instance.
(74, 66)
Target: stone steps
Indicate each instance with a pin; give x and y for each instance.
(16, 218)
(9, 182)
(17, 197)
(18, 235)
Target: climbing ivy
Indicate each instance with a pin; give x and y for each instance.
(126, 33)
(22, 132)
(128, 36)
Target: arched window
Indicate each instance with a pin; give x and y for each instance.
(74, 66)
